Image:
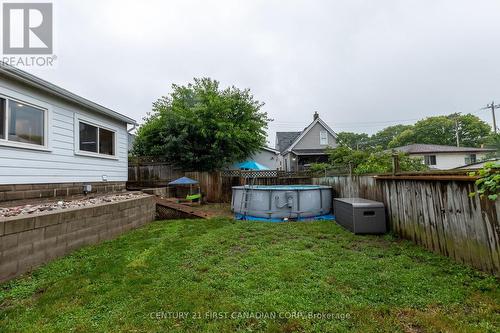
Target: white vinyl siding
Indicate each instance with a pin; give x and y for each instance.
(59, 162)
(446, 161)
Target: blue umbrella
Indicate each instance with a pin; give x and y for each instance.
(252, 165)
(183, 181)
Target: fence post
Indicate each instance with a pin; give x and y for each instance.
(395, 163)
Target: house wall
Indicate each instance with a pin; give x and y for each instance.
(264, 157)
(289, 164)
(59, 162)
(311, 139)
(446, 161)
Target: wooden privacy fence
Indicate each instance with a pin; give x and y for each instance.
(151, 174)
(436, 214)
(217, 186)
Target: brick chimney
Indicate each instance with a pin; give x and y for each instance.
(315, 116)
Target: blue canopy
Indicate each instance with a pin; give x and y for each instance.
(183, 181)
(252, 165)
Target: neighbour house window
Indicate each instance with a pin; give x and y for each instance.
(97, 140)
(430, 159)
(23, 123)
(470, 159)
(323, 137)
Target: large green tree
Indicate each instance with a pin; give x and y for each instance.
(354, 140)
(442, 130)
(203, 127)
(386, 135)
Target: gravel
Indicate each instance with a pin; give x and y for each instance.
(60, 205)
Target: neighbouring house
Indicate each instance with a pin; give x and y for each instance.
(445, 157)
(52, 142)
(478, 165)
(266, 156)
(298, 150)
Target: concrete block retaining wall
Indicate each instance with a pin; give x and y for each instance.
(59, 190)
(30, 240)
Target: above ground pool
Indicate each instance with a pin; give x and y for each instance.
(281, 202)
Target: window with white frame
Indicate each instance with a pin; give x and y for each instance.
(323, 137)
(95, 139)
(430, 159)
(22, 123)
(471, 158)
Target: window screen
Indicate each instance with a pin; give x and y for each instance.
(430, 159)
(106, 142)
(323, 137)
(470, 159)
(26, 123)
(88, 138)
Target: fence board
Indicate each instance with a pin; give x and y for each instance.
(152, 174)
(436, 214)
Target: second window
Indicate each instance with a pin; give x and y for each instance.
(94, 139)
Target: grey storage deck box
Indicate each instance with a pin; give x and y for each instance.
(361, 216)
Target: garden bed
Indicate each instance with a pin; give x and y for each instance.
(91, 200)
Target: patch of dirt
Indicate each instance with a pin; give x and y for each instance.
(238, 249)
(214, 209)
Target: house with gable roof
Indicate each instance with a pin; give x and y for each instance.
(298, 150)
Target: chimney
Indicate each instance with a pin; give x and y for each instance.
(315, 116)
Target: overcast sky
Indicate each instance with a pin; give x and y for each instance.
(362, 65)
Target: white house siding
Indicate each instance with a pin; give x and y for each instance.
(264, 157)
(445, 161)
(311, 139)
(59, 164)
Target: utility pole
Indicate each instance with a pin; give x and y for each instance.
(492, 106)
(457, 135)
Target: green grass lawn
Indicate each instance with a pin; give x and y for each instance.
(250, 272)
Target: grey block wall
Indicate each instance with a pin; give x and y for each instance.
(30, 240)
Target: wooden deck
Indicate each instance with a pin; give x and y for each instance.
(194, 211)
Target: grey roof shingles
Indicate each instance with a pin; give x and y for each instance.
(419, 148)
(285, 139)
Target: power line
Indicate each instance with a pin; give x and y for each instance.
(348, 123)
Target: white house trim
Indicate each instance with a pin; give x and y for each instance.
(271, 150)
(304, 133)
